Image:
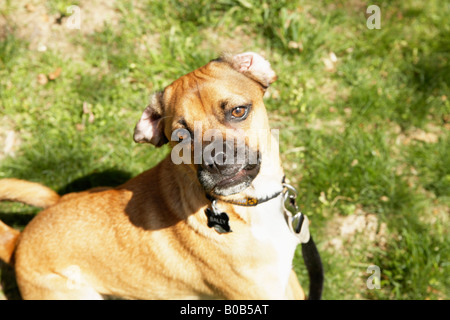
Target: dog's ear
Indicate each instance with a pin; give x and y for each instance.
(150, 127)
(253, 66)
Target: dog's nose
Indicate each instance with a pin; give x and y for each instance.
(215, 163)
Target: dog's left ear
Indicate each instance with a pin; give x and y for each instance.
(253, 66)
(150, 127)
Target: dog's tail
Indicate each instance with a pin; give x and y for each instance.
(314, 266)
(31, 193)
(27, 192)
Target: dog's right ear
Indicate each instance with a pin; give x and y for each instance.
(253, 66)
(150, 127)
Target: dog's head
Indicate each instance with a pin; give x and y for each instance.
(216, 123)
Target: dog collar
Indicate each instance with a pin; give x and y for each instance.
(297, 222)
(220, 220)
(247, 202)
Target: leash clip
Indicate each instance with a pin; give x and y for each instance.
(298, 223)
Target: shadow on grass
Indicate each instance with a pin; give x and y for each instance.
(106, 178)
(8, 282)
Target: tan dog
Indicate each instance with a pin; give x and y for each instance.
(152, 237)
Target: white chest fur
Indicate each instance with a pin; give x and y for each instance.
(269, 228)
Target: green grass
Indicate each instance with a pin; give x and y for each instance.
(349, 136)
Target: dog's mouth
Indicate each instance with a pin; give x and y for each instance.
(249, 171)
(231, 183)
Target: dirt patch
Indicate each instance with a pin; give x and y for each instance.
(437, 214)
(327, 126)
(44, 30)
(357, 231)
(9, 139)
(430, 134)
(238, 41)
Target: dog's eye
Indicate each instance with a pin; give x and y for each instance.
(239, 113)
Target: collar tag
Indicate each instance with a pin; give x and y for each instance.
(217, 220)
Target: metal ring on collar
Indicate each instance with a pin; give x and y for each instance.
(290, 190)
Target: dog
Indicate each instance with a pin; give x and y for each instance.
(198, 226)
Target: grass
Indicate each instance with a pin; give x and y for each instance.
(362, 135)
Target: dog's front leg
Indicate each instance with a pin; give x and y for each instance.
(294, 290)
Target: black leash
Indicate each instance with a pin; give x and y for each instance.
(313, 263)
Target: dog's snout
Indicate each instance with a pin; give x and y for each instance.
(227, 168)
(216, 162)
